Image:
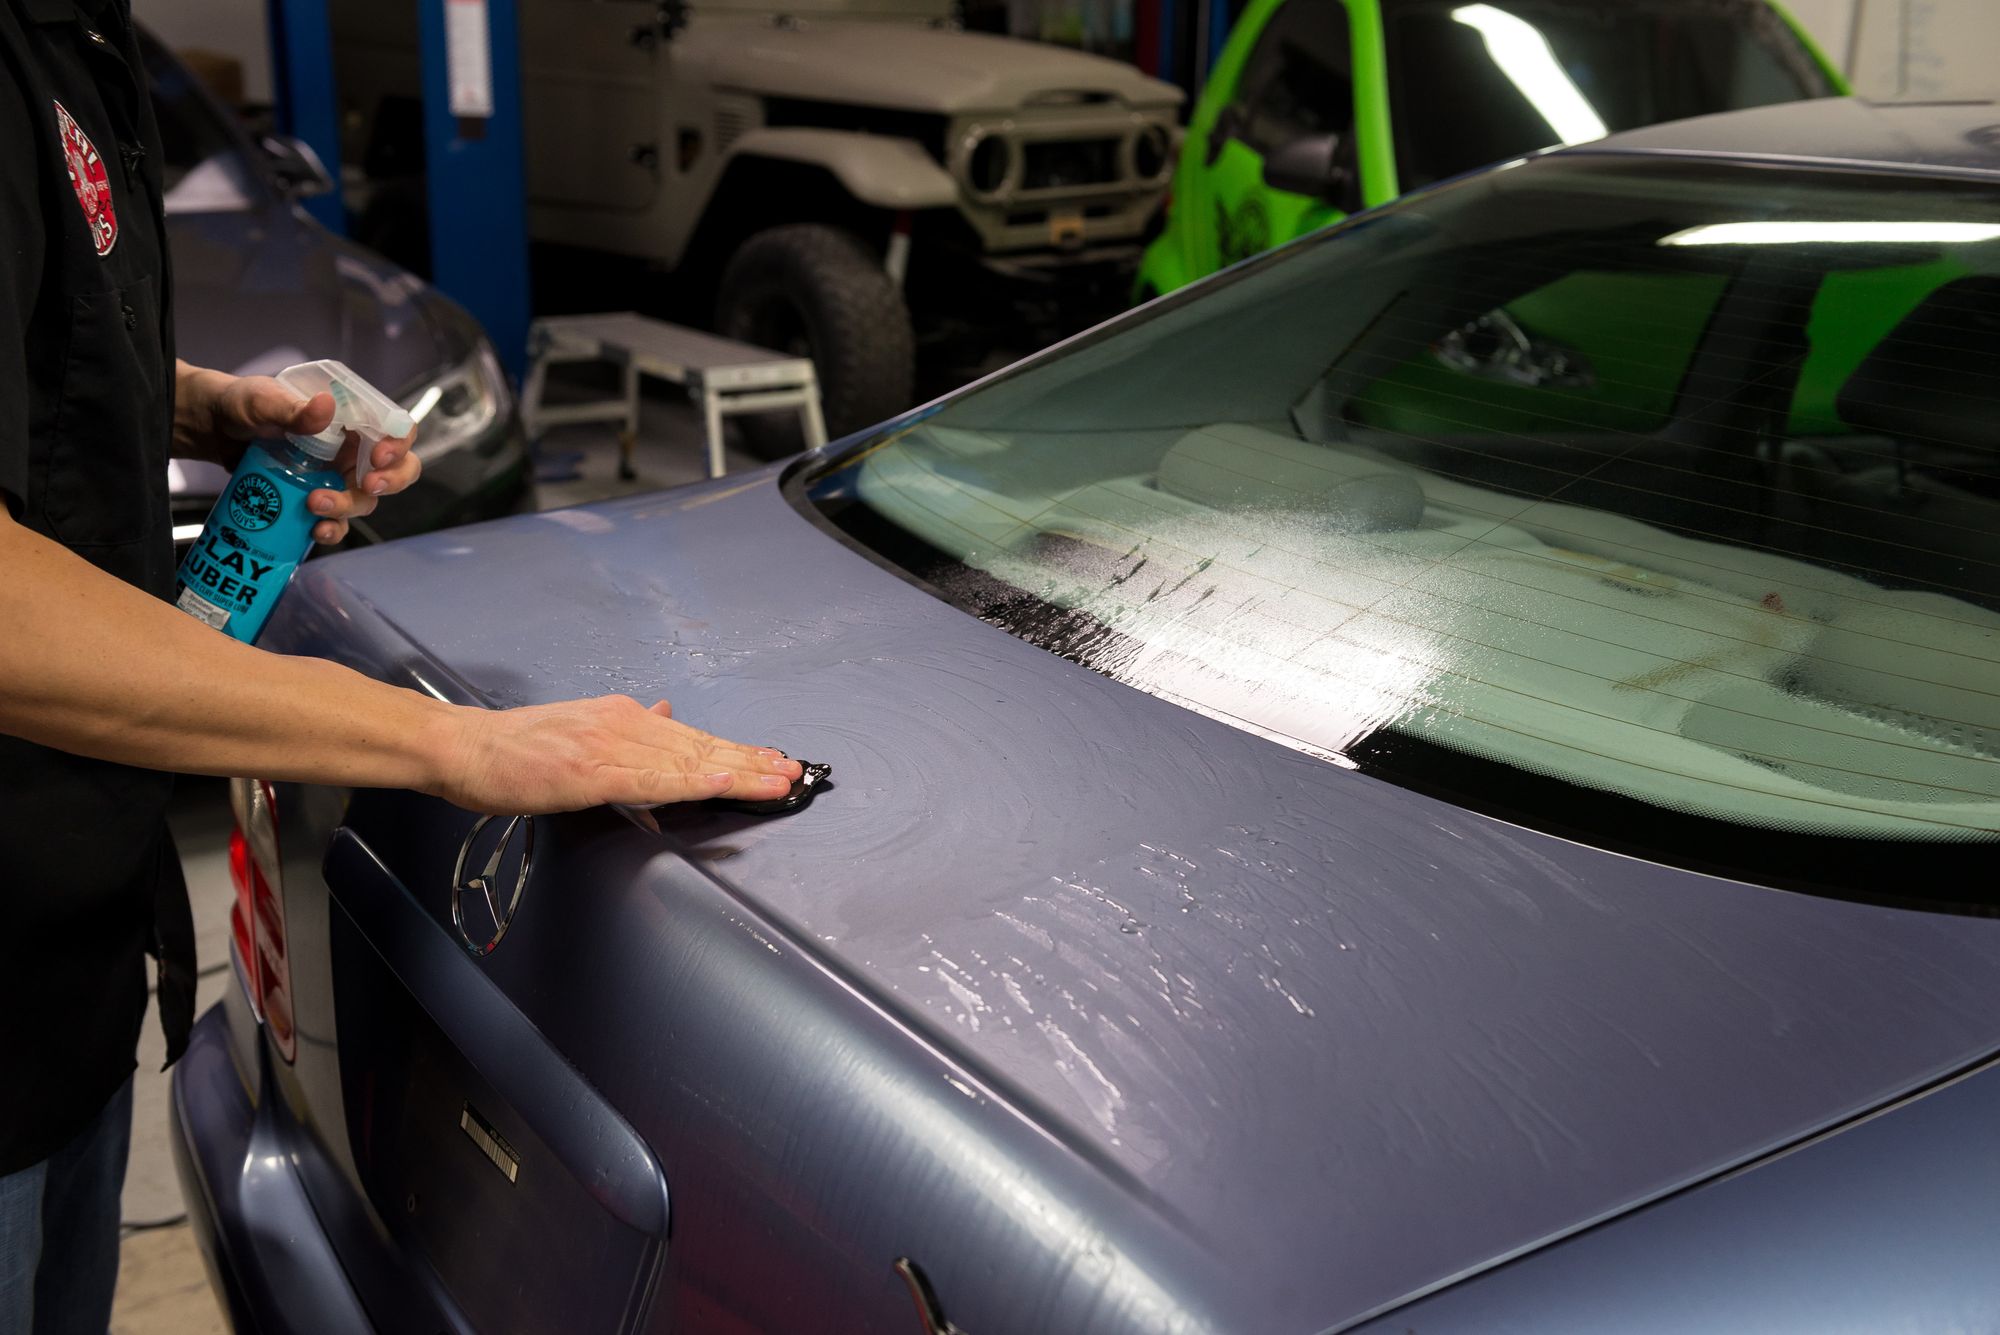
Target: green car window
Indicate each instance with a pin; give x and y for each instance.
(1504, 494)
(1522, 366)
(1483, 82)
(1298, 81)
(1422, 90)
(1852, 312)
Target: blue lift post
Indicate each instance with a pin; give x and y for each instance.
(305, 103)
(476, 178)
(477, 181)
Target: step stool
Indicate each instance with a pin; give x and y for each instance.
(722, 377)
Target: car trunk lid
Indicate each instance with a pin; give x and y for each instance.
(1357, 1041)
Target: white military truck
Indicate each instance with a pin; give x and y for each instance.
(829, 179)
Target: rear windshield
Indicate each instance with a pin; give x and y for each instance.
(1472, 84)
(1652, 501)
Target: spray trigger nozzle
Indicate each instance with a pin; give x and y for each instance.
(357, 406)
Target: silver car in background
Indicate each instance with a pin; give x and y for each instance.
(259, 286)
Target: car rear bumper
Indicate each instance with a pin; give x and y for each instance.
(267, 1254)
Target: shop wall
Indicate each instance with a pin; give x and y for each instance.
(234, 28)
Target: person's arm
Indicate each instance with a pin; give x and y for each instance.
(91, 665)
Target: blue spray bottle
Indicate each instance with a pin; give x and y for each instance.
(260, 528)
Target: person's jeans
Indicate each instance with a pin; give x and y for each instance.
(59, 1231)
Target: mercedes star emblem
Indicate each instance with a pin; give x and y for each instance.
(483, 903)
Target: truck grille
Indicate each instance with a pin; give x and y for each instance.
(734, 118)
(1060, 164)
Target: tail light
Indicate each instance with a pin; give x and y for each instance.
(257, 919)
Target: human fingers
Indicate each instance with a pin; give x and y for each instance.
(758, 759)
(659, 755)
(393, 469)
(580, 753)
(646, 787)
(344, 503)
(308, 417)
(386, 451)
(649, 760)
(258, 406)
(335, 509)
(637, 775)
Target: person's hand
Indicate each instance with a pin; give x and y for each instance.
(376, 469)
(216, 416)
(585, 753)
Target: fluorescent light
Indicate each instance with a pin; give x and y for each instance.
(1523, 55)
(186, 532)
(1785, 232)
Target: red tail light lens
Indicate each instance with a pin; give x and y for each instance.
(241, 913)
(257, 919)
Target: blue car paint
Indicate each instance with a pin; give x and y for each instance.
(593, 1187)
(1113, 1017)
(1887, 1226)
(267, 1253)
(1374, 1002)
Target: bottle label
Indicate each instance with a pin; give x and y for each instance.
(255, 537)
(202, 609)
(254, 502)
(234, 574)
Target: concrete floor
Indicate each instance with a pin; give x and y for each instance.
(163, 1288)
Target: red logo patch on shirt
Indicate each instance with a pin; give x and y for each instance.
(88, 179)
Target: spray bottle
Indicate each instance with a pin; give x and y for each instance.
(260, 528)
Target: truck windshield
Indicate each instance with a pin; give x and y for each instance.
(1472, 84)
(1652, 501)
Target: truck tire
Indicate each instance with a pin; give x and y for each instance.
(810, 290)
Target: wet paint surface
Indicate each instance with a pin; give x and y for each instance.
(1349, 1040)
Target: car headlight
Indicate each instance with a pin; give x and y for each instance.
(989, 159)
(1152, 153)
(460, 405)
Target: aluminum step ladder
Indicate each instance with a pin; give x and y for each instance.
(722, 377)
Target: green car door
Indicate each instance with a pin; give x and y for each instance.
(1293, 71)
(1318, 107)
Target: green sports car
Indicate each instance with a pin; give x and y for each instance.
(1317, 108)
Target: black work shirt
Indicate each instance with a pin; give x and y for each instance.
(89, 881)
